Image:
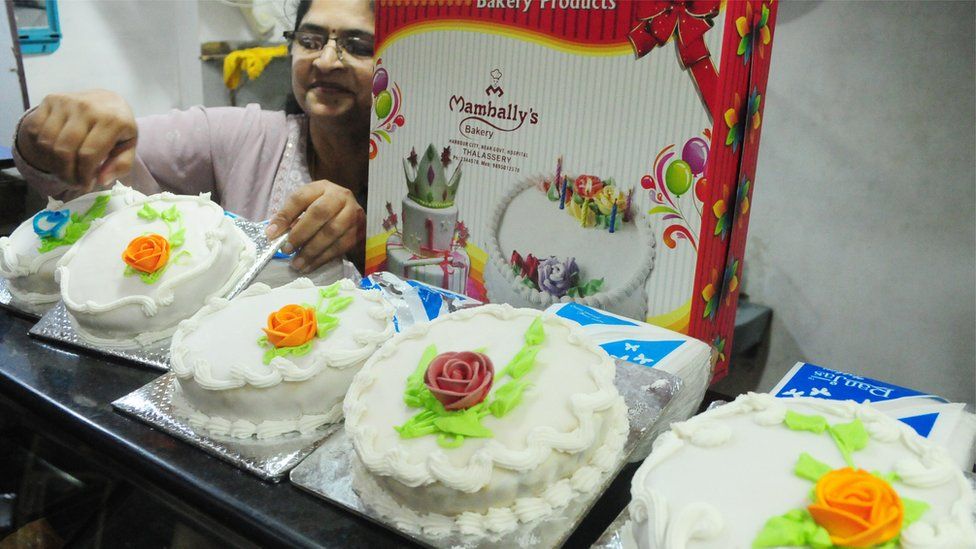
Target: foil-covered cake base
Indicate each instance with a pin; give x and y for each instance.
(16, 306)
(157, 403)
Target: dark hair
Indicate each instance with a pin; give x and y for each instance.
(291, 105)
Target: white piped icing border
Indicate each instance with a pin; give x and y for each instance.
(601, 300)
(478, 471)
(241, 428)
(653, 522)
(281, 368)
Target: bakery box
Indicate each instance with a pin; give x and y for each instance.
(601, 152)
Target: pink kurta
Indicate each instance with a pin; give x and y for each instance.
(248, 158)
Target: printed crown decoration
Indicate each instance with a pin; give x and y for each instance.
(427, 183)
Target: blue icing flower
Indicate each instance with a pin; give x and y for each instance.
(51, 223)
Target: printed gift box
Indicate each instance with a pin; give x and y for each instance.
(601, 152)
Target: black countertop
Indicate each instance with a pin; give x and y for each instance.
(67, 397)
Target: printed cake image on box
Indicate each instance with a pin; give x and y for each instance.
(601, 152)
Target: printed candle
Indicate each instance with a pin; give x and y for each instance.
(562, 195)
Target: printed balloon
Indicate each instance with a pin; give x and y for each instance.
(380, 81)
(695, 153)
(678, 178)
(384, 102)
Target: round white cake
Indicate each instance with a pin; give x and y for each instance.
(142, 269)
(483, 419)
(236, 382)
(803, 472)
(528, 220)
(29, 256)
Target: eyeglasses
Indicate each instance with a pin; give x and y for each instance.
(314, 42)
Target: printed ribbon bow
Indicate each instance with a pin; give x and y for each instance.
(690, 19)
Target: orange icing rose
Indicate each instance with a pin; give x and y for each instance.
(147, 254)
(291, 326)
(856, 508)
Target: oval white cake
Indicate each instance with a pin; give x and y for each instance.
(803, 472)
(29, 256)
(142, 269)
(570, 253)
(482, 419)
(273, 361)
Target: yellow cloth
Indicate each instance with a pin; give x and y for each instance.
(252, 60)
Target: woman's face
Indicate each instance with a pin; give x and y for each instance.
(326, 86)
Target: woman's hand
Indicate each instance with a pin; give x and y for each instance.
(84, 138)
(325, 222)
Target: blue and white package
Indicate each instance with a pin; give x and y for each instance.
(931, 416)
(415, 301)
(634, 341)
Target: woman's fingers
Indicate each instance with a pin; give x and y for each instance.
(296, 203)
(314, 250)
(342, 245)
(67, 148)
(313, 220)
(118, 163)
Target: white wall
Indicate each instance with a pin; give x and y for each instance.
(862, 232)
(127, 47)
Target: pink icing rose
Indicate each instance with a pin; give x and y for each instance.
(460, 380)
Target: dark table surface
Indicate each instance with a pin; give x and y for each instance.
(68, 397)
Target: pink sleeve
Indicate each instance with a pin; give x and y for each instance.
(229, 151)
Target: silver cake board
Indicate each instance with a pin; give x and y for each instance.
(18, 307)
(618, 535)
(329, 471)
(269, 459)
(56, 326)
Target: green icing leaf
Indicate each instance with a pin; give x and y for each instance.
(176, 239)
(330, 291)
(97, 209)
(481, 350)
(447, 441)
(801, 422)
(338, 304)
(535, 335)
(170, 214)
(887, 477)
(810, 468)
(415, 382)
(271, 351)
(507, 397)
(849, 437)
(465, 424)
(522, 362)
(913, 509)
(795, 528)
(419, 425)
(325, 323)
(147, 212)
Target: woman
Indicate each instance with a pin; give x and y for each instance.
(309, 169)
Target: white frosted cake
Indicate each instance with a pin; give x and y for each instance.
(144, 268)
(28, 257)
(483, 419)
(430, 247)
(273, 361)
(804, 472)
(586, 244)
